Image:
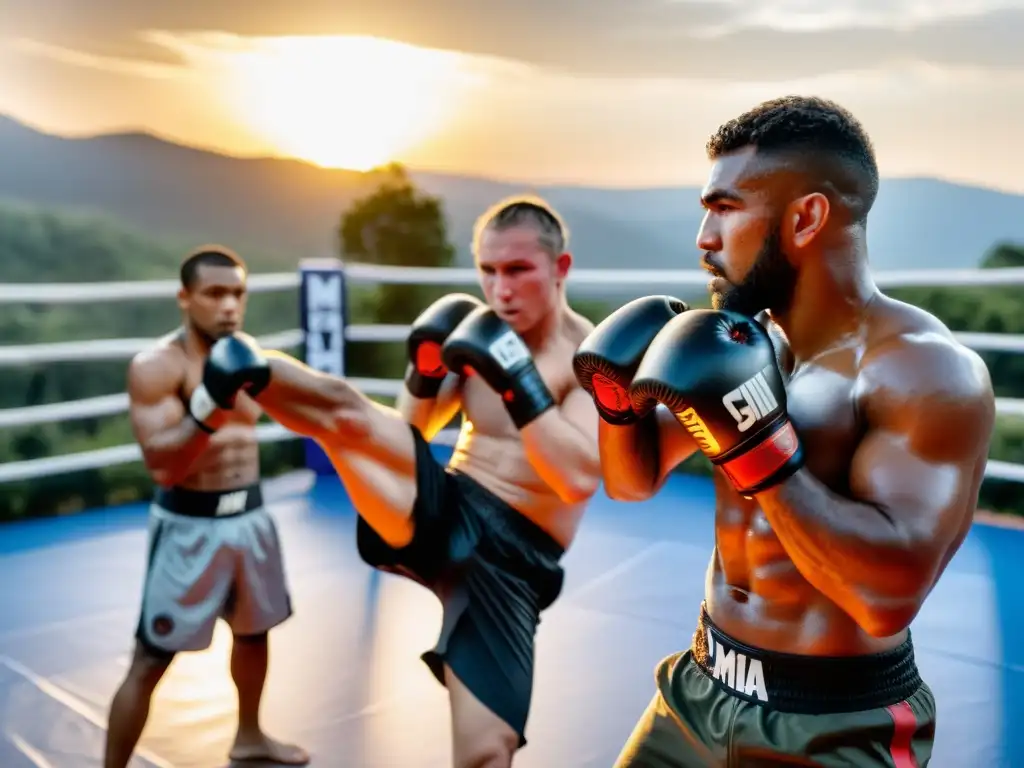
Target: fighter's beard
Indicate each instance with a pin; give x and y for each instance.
(768, 285)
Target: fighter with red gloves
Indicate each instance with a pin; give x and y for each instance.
(487, 531)
(848, 434)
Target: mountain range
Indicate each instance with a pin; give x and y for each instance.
(292, 209)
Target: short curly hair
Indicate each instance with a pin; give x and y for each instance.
(814, 133)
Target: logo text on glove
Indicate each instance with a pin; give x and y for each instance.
(695, 425)
(509, 350)
(751, 401)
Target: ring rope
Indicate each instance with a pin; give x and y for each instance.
(120, 349)
(88, 292)
(95, 350)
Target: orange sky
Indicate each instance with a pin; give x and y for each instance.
(499, 103)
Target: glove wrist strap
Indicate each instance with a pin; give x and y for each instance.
(201, 406)
(528, 398)
(777, 456)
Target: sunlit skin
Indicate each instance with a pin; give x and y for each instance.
(894, 415)
(546, 470)
(164, 377)
(177, 453)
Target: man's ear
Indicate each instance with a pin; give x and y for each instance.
(562, 265)
(182, 299)
(806, 218)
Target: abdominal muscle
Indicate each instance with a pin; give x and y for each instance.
(230, 461)
(755, 594)
(498, 462)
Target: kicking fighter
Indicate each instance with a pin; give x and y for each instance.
(487, 532)
(213, 549)
(848, 432)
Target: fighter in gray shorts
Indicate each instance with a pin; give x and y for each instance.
(213, 551)
(212, 555)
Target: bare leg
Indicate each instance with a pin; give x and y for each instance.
(249, 659)
(129, 709)
(480, 739)
(370, 445)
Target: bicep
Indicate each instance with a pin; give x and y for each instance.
(578, 409)
(923, 456)
(153, 402)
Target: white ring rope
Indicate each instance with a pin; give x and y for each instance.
(121, 349)
(109, 349)
(84, 293)
(125, 290)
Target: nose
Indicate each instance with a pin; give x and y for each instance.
(229, 305)
(503, 289)
(708, 236)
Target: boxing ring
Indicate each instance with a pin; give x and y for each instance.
(345, 678)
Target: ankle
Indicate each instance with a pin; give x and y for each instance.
(249, 733)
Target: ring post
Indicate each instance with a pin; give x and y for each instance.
(322, 310)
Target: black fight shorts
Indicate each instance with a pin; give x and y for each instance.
(494, 572)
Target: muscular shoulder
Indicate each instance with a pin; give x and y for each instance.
(914, 368)
(156, 371)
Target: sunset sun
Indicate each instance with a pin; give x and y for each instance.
(344, 102)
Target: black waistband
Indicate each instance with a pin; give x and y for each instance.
(185, 501)
(805, 684)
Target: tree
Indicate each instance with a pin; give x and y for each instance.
(1004, 255)
(397, 224)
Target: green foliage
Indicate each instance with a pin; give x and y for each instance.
(48, 246)
(395, 224)
(1003, 255)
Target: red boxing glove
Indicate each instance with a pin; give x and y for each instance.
(426, 371)
(606, 360)
(717, 372)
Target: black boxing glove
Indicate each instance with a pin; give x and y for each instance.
(235, 364)
(487, 345)
(606, 360)
(426, 371)
(717, 372)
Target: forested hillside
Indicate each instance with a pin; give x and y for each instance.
(51, 246)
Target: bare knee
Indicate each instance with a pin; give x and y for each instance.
(146, 671)
(487, 750)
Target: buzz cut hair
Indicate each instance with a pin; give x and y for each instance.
(212, 256)
(524, 210)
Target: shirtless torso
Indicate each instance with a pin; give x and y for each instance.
(490, 449)
(161, 382)
(754, 591)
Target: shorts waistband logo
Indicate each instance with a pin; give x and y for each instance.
(232, 503)
(736, 670)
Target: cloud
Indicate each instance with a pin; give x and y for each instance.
(530, 123)
(134, 67)
(718, 39)
(904, 15)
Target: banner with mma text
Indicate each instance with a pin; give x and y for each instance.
(322, 310)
